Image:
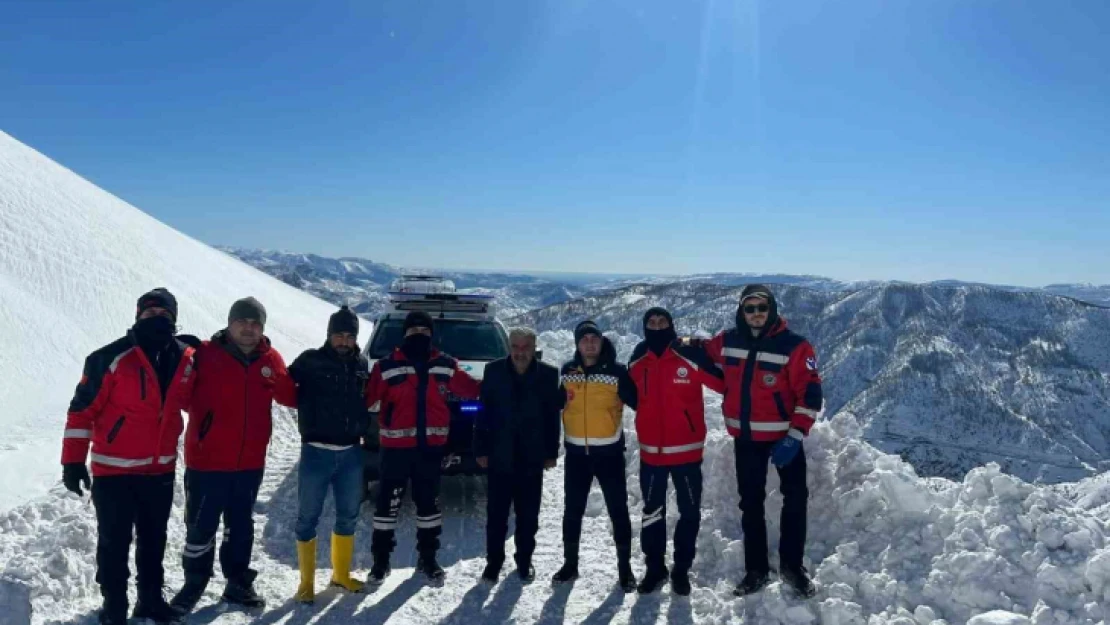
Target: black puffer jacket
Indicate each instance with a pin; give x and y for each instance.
(331, 396)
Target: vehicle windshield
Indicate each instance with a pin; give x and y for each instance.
(464, 340)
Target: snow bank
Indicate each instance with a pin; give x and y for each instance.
(73, 261)
(888, 546)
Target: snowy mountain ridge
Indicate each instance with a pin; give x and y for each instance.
(362, 282)
(951, 378)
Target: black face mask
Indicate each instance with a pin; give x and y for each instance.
(659, 340)
(417, 347)
(154, 332)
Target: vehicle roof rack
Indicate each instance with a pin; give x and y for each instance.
(422, 283)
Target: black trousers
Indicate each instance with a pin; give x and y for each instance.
(128, 505)
(209, 497)
(579, 475)
(399, 467)
(653, 532)
(751, 477)
(521, 491)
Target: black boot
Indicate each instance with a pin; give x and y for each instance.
(187, 598)
(798, 578)
(152, 605)
(569, 570)
(493, 569)
(380, 569)
(625, 578)
(525, 570)
(654, 579)
(427, 565)
(240, 591)
(753, 582)
(680, 582)
(114, 610)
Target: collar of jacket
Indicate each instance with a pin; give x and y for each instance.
(776, 328)
(330, 351)
(222, 339)
(399, 355)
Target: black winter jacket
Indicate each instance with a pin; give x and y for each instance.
(331, 393)
(519, 426)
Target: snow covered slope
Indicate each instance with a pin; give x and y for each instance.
(73, 261)
(886, 546)
(951, 378)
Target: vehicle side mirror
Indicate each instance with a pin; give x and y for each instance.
(539, 354)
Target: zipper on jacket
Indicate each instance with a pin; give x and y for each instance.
(205, 425)
(142, 383)
(243, 441)
(112, 433)
(422, 404)
(781, 406)
(746, 394)
(585, 414)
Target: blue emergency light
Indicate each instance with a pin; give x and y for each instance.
(470, 406)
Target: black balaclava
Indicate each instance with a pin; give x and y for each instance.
(417, 347)
(154, 333)
(659, 340)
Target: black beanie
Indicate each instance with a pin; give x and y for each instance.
(658, 311)
(343, 320)
(157, 298)
(584, 328)
(419, 319)
(247, 308)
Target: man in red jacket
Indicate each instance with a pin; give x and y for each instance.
(239, 375)
(127, 406)
(772, 397)
(411, 388)
(670, 424)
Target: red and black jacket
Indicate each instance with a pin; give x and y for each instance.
(120, 410)
(412, 398)
(771, 382)
(670, 415)
(230, 416)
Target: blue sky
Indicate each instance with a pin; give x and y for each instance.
(868, 139)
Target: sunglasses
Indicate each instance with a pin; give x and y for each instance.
(752, 309)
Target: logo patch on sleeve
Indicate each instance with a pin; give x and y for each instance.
(811, 363)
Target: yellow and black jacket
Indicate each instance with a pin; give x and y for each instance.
(596, 397)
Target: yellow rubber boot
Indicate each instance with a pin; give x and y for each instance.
(306, 557)
(342, 551)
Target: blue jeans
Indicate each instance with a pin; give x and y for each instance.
(318, 470)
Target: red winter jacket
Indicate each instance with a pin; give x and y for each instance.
(771, 384)
(401, 413)
(230, 413)
(670, 413)
(118, 407)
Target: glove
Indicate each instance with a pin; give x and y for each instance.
(784, 451)
(73, 475)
